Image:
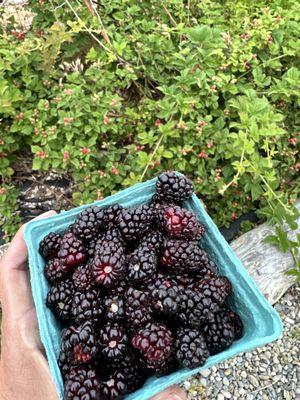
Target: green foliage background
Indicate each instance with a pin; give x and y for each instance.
(116, 93)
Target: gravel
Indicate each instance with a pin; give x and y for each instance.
(271, 372)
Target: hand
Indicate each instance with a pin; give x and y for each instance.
(24, 371)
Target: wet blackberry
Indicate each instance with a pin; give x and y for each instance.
(216, 288)
(54, 270)
(79, 343)
(87, 306)
(112, 213)
(108, 267)
(49, 246)
(135, 222)
(114, 308)
(173, 187)
(114, 387)
(165, 294)
(113, 341)
(71, 251)
(82, 384)
(191, 348)
(180, 223)
(59, 299)
(154, 343)
(88, 223)
(195, 308)
(153, 240)
(141, 265)
(137, 307)
(83, 278)
(181, 256)
(219, 333)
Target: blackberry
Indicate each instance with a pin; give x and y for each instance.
(54, 270)
(59, 299)
(114, 387)
(135, 222)
(173, 187)
(234, 319)
(79, 343)
(113, 341)
(111, 238)
(191, 348)
(112, 213)
(114, 307)
(71, 251)
(180, 223)
(153, 240)
(87, 306)
(83, 277)
(88, 223)
(219, 333)
(183, 257)
(108, 267)
(49, 246)
(64, 365)
(91, 245)
(195, 308)
(165, 294)
(82, 384)
(130, 366)
(154, 343)
(216, 288)
(137, 307)
(142, 264)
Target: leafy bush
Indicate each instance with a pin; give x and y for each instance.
(117, 91)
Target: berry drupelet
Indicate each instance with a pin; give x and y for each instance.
(154, 341)
(60, 298)
(82, 384)
(171, 187)
(191, 348)
(49, 246)
(141, 265)
(72, 251)
(88, 223)
(113, 341)
(79, 343)
(180, 223)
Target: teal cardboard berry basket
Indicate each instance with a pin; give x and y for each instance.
(262, 324)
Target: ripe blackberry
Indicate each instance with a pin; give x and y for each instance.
(83, 278)
(88, 223)
(216, 288)
(79, 343)
(111, 238)
(165, 294)
(71, 251)
(234, 319)
(82, 384)
(49, 246)
(195, 308)
(154, 343)
(130, 366)
(180, 223)
(137, 307)
(114, 308)
(173, 187)
(183, 257)
(87, 306)
(108, 267)
(54, 270)
(59, 299)
(113, 341)
(191, 348)
(91, 245)
(153, 240)
(135, 222)
(219, 333)
(64, 365)
(112, 213)
(142, 264)
(114, 387)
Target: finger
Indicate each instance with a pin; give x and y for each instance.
(171, 393)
